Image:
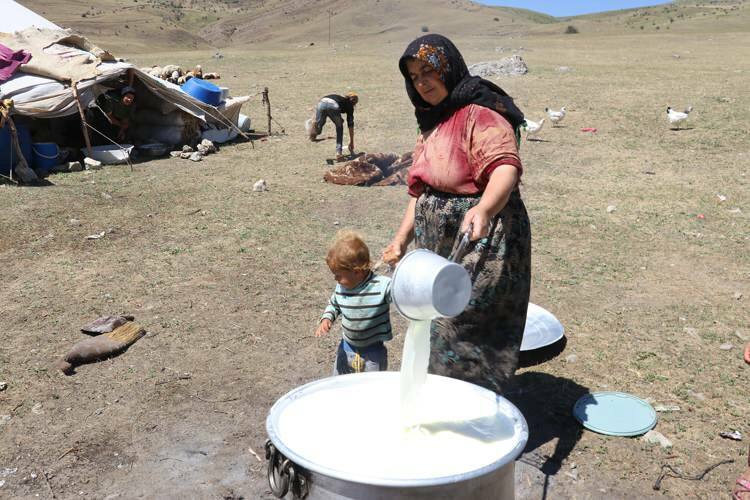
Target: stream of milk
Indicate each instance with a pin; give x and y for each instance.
(414, 362)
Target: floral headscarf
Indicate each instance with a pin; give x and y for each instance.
(463, 89)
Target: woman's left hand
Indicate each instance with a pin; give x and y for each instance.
(479, 220)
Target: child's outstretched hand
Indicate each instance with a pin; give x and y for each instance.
(323, 328)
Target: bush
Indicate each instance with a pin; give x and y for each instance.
(425, 29)
(571, 30)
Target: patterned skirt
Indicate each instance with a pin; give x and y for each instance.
(482, 344)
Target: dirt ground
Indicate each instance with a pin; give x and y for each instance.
(229, 283)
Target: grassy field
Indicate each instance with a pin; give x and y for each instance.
(230, 283)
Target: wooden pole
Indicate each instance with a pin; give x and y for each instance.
(25, 173)
(267, 102)
(84, 127)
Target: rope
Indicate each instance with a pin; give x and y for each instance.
(672, 472)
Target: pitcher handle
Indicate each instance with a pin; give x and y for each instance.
(465, 240)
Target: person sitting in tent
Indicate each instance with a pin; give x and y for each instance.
(119, 106)
(332, 106)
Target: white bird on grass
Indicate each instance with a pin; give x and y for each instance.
(555, 116)
(532, 129)
(677, 117)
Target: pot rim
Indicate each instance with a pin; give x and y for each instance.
(275, 411)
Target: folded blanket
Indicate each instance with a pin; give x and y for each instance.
(10, 60)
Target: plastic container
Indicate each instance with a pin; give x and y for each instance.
(45, 155)
(109, 154)
(243, 122)
(8, 157)
(203, 91)
(224, 93)
(428, 286)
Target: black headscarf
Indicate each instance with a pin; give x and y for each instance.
(463, 89)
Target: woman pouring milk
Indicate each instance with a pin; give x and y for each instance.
(465, 177)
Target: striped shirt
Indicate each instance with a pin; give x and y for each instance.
(364, 311)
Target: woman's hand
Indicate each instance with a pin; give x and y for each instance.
(323, 328)
(478, 219)
(394, 251)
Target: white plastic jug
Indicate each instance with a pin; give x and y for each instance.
(428, 286)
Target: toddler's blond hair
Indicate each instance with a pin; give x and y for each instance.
(348, 252)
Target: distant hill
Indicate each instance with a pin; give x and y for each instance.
(134, 26)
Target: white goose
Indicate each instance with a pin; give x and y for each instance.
(676, 117)
(532, 129)
(555, 116)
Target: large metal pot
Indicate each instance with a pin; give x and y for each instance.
(295, 469)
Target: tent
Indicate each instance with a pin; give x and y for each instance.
(67, 74)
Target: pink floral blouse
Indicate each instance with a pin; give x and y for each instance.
(459, 154)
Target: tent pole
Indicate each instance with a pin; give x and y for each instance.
(24, 172)
(84, 127)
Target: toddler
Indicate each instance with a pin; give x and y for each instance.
(362, 299)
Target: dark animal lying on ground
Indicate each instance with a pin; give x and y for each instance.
(372, 169)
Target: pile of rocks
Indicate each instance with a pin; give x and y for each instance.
(205, 148)
(509, 66)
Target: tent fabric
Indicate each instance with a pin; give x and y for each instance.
(57, 54)
(16, 17)
(42, 88)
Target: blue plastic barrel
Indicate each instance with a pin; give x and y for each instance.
(8, 156)
(203, 91)
(45, 155)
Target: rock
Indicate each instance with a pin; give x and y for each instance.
(509, 66)
(564, 69)
(655, 437)
(737, 295)
(175, 154)
(3, 386)
(741, 336)
(197, 156)
(74, 166)
(92, 164)
(696, 395)
(187, 149)
(25, 174)
(185, 155)
(260, 186)
(106, 196)
(666, 408)
(208, 145)
(572, 358)
(726, 347)
(611, 208)
(4, 419)
(74, 222)
(37, 409)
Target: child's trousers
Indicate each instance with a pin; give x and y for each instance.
(350, 359)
